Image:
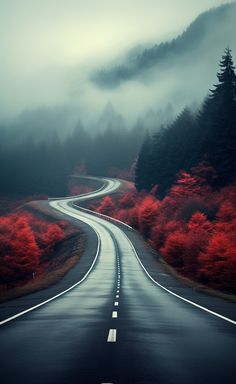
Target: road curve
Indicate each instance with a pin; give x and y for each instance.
(124, 322)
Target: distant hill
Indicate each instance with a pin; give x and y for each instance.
(110, 119)
(204, 39)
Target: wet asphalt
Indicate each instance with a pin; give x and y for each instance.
(118, 326)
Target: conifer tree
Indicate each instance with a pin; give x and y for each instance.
(217, 124)
(143, 176)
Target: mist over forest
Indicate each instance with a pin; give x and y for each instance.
(140, 77)
(94, 115)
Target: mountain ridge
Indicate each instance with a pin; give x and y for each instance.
(192, 39)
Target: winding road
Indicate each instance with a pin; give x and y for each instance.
(122, 320)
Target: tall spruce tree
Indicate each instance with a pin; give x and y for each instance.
(172, 150)
(185, 143)
(143, 175)
(163, 155)
(217, 124)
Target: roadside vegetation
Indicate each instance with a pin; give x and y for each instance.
(186, 200)
(192, 227)
(32, 250)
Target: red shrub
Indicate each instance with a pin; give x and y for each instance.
(79, 190)
(128, 200)
(175, 249)
(23, 239)
(147, 213)
(193, 227)
(19, 252)
(107, 207)
(218, 263)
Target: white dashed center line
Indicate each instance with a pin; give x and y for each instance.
(111, 336)
(116, 303)
(114, 314)
(117, 296)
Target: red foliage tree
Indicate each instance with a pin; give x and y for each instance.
(23, 240)
(19, 252)
(218, 263)
(147, 213)
(193, 227)
(128, 200)
(107, 207)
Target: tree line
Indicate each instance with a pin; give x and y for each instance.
(208, 136)
(32, 167)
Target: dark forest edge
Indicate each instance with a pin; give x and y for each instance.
(185, 175)
(191, 166)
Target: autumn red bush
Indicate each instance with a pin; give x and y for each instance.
(24, 238)
(193, 227)
(78, 190)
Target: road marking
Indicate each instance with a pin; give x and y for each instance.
(116, 303)
(175, 294)
(59, 294)
(154, 281)
(111, 336)
(117, 296)
(114, 315)
(108, 185)
(118, 291)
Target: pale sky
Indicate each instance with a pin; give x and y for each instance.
(51, 37)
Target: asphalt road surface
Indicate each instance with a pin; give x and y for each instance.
(125, 321)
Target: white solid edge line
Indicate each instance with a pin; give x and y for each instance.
(161, 286)
(59, 294)
(175, 294)
(154, 281)
(101, 215)
(88, 272)
(111, 336)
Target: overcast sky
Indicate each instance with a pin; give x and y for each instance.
(42, 40)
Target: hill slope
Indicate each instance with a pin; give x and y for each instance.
(205, 38)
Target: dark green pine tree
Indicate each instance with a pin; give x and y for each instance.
(143, 176)
(217, 123)
(225, 91)
(172, 150)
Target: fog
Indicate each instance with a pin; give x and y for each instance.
(52, 49)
